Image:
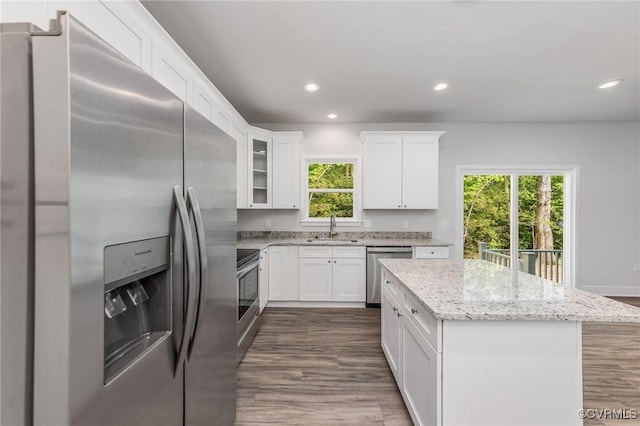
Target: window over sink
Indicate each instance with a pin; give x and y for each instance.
(331, 186)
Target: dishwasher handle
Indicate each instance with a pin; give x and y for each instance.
(389, 249)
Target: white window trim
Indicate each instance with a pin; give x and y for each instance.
(357, 190)
(570, 173)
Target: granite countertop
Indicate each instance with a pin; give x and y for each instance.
(260, 240)
(480, 290)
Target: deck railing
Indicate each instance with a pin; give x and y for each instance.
(541, 263)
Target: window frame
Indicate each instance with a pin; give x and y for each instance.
(570, 173)
(356, 220)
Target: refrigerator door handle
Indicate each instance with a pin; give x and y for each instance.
(192, 202)
(191, 276)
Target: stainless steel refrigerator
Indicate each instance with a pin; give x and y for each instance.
(117, 244)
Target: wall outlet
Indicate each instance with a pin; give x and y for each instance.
(405, 224)
(445, 224)
(368, 223)
(267, 223)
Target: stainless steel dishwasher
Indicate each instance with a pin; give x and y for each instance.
(374, 292)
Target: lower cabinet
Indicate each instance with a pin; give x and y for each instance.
(415, 363)
(420, 375)
(332, 274)
(283, 279)
(391, 332)
(316, 279)
(263, 279)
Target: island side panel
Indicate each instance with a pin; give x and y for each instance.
(511, 372)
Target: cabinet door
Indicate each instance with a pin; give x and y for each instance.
(259, 164)
(286, 176)
(277, 274)
(420, 172)
(241, 166)
(382, 172)
(349, 280)
(316, 279)
(264, 278)
(391, 322)
(420, 376)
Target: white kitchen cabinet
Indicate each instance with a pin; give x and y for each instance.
(241, 166)
(420, 371)
(348, 278)
(400, 170)
(263, 279)
(110, 21)
(431, 252)
(316, 279)
(332, 274)
(420, 171)
(286, 170)
(169, 71)
(391, 332)
(259, 163)
(382, 172)
(411, 342)
(283, 273)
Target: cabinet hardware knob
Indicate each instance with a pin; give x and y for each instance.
(399, 205)
(250, 205)
(328, 261)
(335, 261)
(294, 205)
(395, 309)
(414, 311)
(399, 314)
(405, 206)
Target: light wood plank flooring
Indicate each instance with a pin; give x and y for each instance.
(325, 366)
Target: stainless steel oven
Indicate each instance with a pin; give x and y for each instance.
(248, 294)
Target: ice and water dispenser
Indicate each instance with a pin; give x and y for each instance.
(137, 301)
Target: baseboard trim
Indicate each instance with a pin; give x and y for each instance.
(296, 304)
(621, 290)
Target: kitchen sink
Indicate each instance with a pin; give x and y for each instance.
(339, 240)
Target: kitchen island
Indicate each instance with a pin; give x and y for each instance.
(473, 343)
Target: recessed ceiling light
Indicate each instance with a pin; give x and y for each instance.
(440, 86)
(610, 83)
(332, 115)
(311, 87)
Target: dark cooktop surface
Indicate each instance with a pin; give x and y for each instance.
(245, 255)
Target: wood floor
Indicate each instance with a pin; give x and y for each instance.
(318, 367)
(325, 366)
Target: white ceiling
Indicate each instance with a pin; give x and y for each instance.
(378, 61)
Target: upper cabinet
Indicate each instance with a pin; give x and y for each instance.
(273, 176)
(259, 163)
(286, 170)
(400, 170)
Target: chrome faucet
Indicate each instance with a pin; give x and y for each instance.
(332, 226)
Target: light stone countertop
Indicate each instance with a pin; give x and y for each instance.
(480, 290)
(260, 243)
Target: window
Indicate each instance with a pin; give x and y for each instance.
(331, 187)
(519, 218)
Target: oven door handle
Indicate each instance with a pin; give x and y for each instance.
(181, 209)
(192, 203)
(246, 269)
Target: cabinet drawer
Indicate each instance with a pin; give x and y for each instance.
(315, 251)
(431, 252)
(349, 252)
(424, 320)
(391, 286)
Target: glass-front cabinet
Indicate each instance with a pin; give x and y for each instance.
(259, 163)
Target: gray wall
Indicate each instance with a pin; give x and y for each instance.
(608, 198)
